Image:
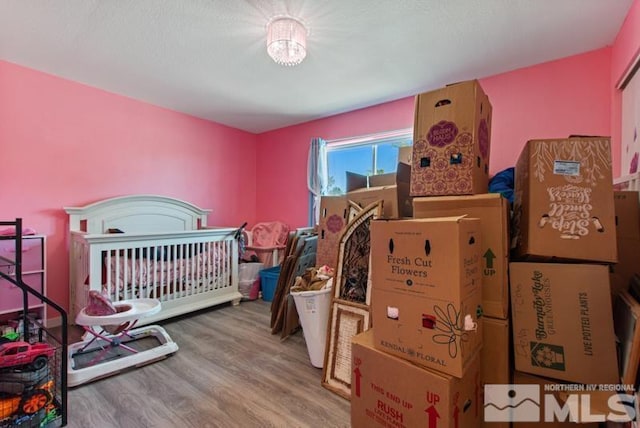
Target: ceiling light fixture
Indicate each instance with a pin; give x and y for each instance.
(286, 40)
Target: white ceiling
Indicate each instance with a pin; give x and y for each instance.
(208, 58)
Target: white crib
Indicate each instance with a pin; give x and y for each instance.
(149, 246)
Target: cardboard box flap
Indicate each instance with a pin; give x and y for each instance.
(403, 173)
(626, 319)
(447, 97)
(462, 82)
(356, 181)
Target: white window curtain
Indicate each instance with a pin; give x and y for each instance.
(317, 173)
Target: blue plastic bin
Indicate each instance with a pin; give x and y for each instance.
(268, 282)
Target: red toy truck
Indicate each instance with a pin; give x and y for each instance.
(22, 354)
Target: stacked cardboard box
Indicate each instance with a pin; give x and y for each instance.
(563, 322)
(333, 220)
(564, 239)
(428, 274)
(426, 299)
(563, 204)
(465, 108)
(388, 391)
(425, 276)
(437, 277)
(493, 212)
(451, 141)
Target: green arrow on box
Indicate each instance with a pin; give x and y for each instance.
(489, 256)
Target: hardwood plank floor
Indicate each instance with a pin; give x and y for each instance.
(229, 372)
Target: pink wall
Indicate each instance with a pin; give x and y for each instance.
(555, 99)
(625, 49)
(550, 100)
(67, 144)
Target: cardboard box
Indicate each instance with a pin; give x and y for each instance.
(563, 203)
(334, 211)
(426, 290)
(451, 141)
(627, 211)
(496, 356)
(563, 322)
(536, 403)
(493, 211)
(392, 189)
(628, 264)
(626, 312)
(387, 391)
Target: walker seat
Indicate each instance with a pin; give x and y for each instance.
(110, 343)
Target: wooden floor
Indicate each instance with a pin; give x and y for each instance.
(229, 372)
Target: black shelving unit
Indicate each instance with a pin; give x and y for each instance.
(32, 394)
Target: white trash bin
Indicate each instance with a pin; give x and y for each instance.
(313, 310)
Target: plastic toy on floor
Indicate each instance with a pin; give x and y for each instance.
(26, 383)
(110, 343)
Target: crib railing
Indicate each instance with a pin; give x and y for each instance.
(184, 270)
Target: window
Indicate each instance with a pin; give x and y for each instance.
(370, 155)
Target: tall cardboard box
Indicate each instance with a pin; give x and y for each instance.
(387, 391)
(451, 141)
(496, 357)
(563, 204)
(392, 189)
(563, 322)
(426, 290)
(334, 211)
(493, 211)
(496, 351)
(627, 211)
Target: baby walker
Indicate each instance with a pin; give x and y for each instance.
(111, 344)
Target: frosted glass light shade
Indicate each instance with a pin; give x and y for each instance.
(287, 41)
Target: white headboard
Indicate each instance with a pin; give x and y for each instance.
(137, 214)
